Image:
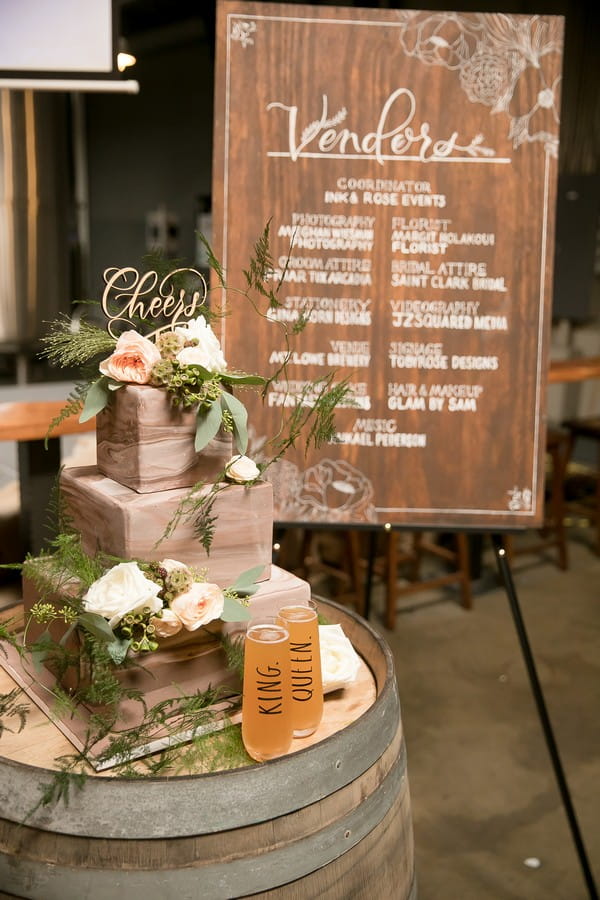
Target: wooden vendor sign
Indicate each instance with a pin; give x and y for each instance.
(408, 158)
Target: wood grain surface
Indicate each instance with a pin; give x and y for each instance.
(30, 421)
(406, 161)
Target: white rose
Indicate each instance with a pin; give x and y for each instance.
(132, 360)
(339, 660)
(207, 352)
(167, 625)
(123, 589)
(242, 469)
(199, 605)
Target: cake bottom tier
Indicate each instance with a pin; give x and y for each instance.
(191, 661)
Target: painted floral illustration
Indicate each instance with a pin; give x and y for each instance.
(331, 490)
(509, 63)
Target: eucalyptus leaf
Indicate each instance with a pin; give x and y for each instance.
(95, 399)
(40, 650)
(97, 626)
(239, 415)
(208, 423)
(245, 583)
(117, 649)
(241, 378)
(234, 611)
(201, 372)
(67, 635)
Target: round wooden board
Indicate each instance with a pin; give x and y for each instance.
(41, 743)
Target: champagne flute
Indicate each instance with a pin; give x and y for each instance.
(302, 623)
(266, 700)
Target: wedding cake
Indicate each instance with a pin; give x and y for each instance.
(183, 516)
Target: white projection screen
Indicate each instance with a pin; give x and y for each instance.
(64, 36)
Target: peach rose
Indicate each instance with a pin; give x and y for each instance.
(167, 625)
(199, 605)
(132, 360)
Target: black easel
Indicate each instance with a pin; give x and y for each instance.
(506, 577)
(536, 688)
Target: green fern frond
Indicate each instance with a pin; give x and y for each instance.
(73, 406)
(234, 651)
(11, 707)
(213, 262)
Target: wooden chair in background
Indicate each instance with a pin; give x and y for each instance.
(584, 502)
(398, 554)
(420, 545)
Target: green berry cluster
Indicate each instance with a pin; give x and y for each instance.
(177, 582)
(42, 613)
(169, 344)
(185, 384)
(162, 373)
(137, 628)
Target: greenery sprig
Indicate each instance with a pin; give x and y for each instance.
(67, 346)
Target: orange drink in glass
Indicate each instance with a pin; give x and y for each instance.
(305, 666)
(266, 700)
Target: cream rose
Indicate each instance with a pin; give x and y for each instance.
(123, 589)
(339, 660)
(132, 360)
(170, 565)
(167, 625)
(206, 352)
(242, 469)
(199, 605)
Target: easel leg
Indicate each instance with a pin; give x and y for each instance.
(506, 576)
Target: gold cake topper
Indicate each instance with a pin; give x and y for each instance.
(129, 295)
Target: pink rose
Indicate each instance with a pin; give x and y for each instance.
(167, 625)
(132, 360)
(199, 605)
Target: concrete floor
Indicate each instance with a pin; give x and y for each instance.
(484, 797)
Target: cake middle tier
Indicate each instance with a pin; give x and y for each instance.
(118, 521)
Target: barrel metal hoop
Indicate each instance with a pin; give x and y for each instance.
(232, 878)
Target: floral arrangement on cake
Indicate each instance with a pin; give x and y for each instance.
(132, 606)
(188, 363)
(183, 355)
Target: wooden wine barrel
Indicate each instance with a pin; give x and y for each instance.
(329, 821)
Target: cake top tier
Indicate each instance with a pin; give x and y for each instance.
(158, 333)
